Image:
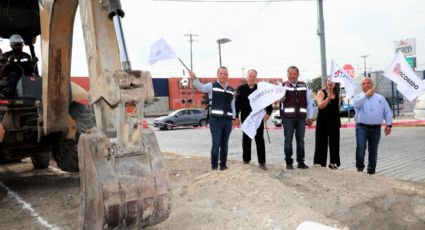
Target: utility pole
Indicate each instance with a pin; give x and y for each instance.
(321, 33)
(190, 41)
(364, 59)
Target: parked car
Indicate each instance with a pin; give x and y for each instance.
(277, 119)
(346, 109)
(182, 117)
(419, 109)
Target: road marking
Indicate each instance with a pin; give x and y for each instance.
(28, 207)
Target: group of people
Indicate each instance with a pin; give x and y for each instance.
(229, 107)
(371, 110)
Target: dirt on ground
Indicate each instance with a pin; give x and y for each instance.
(241, 197)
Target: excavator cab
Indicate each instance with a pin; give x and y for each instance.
(20, 95)
(124, 182)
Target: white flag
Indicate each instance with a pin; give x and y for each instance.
(252, 122)
(338, 74)
(160, 50)
(400, 72)
(263, 96)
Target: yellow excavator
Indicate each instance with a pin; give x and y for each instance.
(124, 182)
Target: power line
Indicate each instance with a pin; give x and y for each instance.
(252, 17)
(234, 34)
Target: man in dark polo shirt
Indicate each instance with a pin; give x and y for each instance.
(243, 107)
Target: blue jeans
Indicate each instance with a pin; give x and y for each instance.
(367, 136)
(220, 132)
(290, 126)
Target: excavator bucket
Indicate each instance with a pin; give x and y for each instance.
(124, 182)
(120, 189)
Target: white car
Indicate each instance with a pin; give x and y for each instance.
(419, 109)
(277, 120)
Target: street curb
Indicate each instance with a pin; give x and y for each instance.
(406, 123)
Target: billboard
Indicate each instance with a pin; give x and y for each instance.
(407, 46)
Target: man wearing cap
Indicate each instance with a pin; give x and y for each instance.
(15, 63)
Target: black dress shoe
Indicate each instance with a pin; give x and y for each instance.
(222, 168)
(333, 166)
(246, 162)
(263, 166)
(289, 167)
(302, 166)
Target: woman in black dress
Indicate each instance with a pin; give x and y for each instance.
(328, 125)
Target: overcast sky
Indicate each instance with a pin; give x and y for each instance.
(267, 36)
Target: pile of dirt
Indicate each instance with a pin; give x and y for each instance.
(242, 197)
(246, 197)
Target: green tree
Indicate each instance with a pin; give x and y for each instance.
(315, 84)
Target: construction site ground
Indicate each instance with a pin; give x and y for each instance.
(242, 197)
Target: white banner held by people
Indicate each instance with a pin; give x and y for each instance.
(160, 50)
(400, 72)
(252, 122)
(263, 96)
(338, 74)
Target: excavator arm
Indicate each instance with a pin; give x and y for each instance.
(57, 23)
(124, 182)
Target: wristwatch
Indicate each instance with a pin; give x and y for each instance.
(390, 126)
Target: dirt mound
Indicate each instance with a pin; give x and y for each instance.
(246, 197)
(242, 197)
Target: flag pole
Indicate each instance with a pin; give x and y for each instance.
(379, 82)
(183, 64)
(267, 131)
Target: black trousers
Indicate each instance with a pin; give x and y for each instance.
(327, 136)
(259, 141)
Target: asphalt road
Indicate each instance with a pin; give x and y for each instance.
(400, 155)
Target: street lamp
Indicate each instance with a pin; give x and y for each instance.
(219, 42)
(364, 59)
